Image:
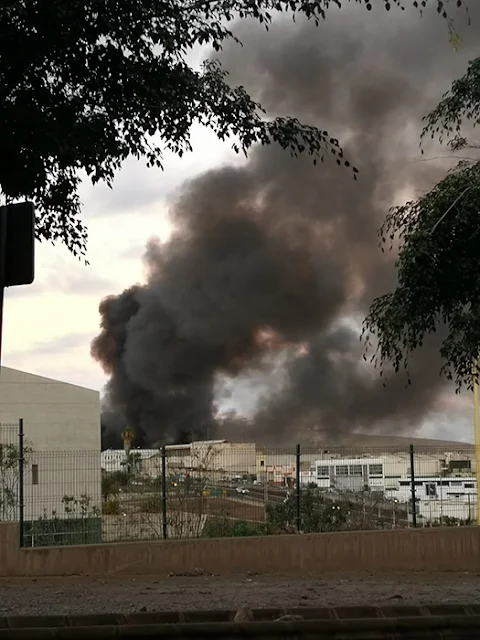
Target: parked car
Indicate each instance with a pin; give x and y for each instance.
(242, 490)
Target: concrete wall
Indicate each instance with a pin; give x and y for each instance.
(447, 549)
(57, 416)
(62, 438)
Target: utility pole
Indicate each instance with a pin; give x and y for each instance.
(17, 249)
(412, 487)
(3, 247)
(476, 433)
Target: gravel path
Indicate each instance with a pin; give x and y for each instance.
(125, 595)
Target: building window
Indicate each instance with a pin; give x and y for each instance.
(262, 463)
(322, 472)
(34, 473)
(469, 485)
(375, 469)
(341, 470)
(356, 470)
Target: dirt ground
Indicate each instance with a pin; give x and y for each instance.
(241, 510)
(125, 595)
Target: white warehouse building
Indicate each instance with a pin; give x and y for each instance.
(349, 474)
(62, 445)
(438, 488)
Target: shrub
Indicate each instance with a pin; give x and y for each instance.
(111, 507)
(112, 483)
(47, 532)
(153, 504)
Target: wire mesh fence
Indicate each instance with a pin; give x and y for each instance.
(219, 489)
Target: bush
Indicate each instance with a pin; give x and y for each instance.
(62, 531)
(153, 504)
(112, 483)
(316, 515)
(111, 507)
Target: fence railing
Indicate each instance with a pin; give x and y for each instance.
(222, 489)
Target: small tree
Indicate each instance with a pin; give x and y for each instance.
(316, 514)
(112, 483)
(81, 507)
(134, 462)
(128, 436)
(9, 477)
(187, 499)
(438, 241)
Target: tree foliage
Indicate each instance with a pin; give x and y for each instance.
(439, 247)
(316, 514)
(86, 84)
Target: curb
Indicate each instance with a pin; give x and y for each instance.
(341, 623)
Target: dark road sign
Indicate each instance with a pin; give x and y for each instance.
(19, 244)
(17, 249)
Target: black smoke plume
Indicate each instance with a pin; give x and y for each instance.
(273, 263)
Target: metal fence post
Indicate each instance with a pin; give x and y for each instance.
(21, 486)
(164, 493)
(412, 485)
(298, 518)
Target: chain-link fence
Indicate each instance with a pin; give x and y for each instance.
(217, 489)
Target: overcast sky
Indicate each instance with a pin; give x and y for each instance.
(48, 326)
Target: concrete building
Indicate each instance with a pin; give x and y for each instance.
(216, 458)
(275, 467)
(439, 488)
(229, 459)
(440, 511)
(113, 460)
(444, 482)
(62, 474)
(349, 474)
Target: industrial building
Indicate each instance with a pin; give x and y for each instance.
(220, 458)
(435, 488)
(113, 460)
(444, 472)
(62, 475)
(445, 484)
(350, 474)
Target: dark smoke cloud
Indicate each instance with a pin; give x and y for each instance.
(278, 259)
